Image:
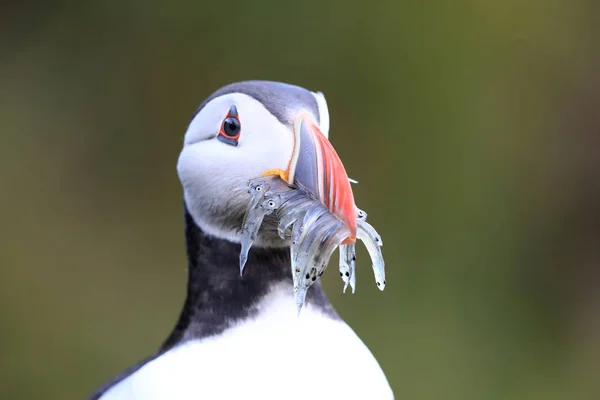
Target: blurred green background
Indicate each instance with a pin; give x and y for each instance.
(472, 126)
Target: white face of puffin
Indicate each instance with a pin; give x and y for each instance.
(222, 151)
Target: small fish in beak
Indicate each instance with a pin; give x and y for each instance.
(348, 265)
(348, 257)
(314, 231)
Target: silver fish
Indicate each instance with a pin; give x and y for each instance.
(314, 232)
(347, 265)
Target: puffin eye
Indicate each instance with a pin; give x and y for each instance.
(230, 128)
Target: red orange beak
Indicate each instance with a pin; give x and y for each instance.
(316, 166)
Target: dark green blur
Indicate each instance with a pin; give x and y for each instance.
(472, 126)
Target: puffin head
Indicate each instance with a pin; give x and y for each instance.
(256, 128)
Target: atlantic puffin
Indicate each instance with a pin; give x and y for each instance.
(240, 336)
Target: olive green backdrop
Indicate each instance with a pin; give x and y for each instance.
(472, 126)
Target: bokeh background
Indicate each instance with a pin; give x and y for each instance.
(472, 126)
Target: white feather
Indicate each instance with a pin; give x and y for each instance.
(323, 113)
(276, 355)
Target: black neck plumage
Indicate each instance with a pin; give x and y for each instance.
(217, 295)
